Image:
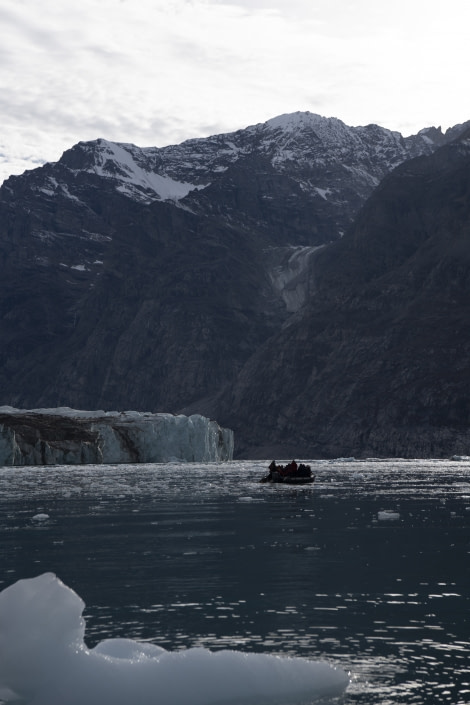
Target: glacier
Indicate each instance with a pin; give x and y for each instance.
(44, 661)
(65, 436)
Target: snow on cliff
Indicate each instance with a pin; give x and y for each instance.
(120, 162)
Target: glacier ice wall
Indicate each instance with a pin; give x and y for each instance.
(66, 436)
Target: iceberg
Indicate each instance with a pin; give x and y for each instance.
(388, 515)
(44, 661)
(65, 436)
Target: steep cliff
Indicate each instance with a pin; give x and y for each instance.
(379, 361)
(215, 277)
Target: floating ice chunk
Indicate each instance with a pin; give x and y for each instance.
(358, 476)
(388, 515)
(40, 517)
(44, 661)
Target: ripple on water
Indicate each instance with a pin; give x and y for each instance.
(185, 555)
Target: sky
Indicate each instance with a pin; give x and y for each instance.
(157, 72)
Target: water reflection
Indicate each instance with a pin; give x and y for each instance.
(367, 568)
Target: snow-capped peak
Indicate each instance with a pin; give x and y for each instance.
(300, 144)
(291, 122)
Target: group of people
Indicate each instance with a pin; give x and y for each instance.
(292, 469)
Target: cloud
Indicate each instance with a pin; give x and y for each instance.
(154, 72)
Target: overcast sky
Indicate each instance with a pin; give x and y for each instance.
(157, 72)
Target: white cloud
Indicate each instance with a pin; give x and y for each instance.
(155, 72)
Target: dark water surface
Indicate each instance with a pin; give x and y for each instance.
(185, 555)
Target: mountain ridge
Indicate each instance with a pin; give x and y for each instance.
(379, 363)
(116, 298)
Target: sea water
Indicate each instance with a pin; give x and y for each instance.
(368, 568)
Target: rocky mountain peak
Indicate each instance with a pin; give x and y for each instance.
(303, 145)
(433, 134)
(159, 277)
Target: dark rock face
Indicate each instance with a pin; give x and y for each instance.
(165, 318)
(379, 362)
(212, 277)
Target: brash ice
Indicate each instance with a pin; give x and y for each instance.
(45, 661)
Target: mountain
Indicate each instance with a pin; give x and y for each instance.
(156, 278)
(379, 362)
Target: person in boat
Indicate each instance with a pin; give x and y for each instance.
(291, 468)
(273, 471)
(304, 470)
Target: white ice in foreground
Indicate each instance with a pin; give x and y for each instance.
(44, 661)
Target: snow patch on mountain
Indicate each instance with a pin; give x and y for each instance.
(291, 274)
(323, 192)
(115, 161)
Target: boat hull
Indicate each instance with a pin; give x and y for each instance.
(289, 480)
